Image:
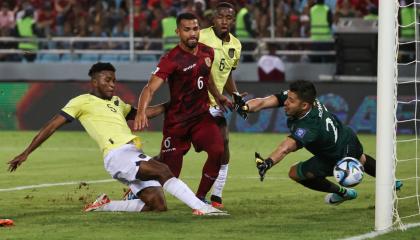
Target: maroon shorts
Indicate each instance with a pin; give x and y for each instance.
(201, 131)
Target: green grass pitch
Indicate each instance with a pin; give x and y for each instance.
(277, 208)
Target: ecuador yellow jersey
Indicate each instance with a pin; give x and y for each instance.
(104, 120)
(226, 57)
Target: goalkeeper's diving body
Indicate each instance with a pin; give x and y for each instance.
(104, 116)
(321, 133)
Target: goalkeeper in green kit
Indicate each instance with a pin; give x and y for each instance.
(320, 132)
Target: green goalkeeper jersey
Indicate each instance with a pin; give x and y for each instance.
(319, 131)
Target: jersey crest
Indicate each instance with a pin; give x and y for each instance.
(231, 52)
(208, 61)
(300, 132)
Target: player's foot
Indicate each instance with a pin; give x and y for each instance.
(6, 222)
(398, 185)
(216, 202)
(208, 210)
(129, 195)
(335, 199)
(99, 202)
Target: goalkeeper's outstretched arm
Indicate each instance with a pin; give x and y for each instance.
(287, 146)
(263, 165)
(258, 104)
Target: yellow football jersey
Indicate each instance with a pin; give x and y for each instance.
(104, 120)
(226, 57)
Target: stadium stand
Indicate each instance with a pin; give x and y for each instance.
(106, 21)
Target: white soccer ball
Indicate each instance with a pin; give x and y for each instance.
(348, 172)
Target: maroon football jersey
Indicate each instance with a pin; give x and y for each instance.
(187, 76)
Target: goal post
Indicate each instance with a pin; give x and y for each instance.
(385, 136)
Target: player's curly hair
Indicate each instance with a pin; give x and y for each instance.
(99, 67)
(305, 90)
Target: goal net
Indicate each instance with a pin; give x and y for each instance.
(406, 202)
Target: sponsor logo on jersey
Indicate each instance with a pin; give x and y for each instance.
(189, 67)
(300, 132)
(208, 61)
(320, 110)
(231, 52)
(116, 102)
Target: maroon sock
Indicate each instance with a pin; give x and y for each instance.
(210, 173)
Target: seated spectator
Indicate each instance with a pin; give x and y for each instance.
(119, 31)
(46, 23)
(98, 32)
(7, 24)
(344, 9)
(62, 8)
(270, 66)
(7, 19)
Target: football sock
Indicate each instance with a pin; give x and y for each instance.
(180, 190)
(323, 185)
(135, 205)
(220, 181)
(208, 177)
(370, 166)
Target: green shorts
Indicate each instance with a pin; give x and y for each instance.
(322, 167)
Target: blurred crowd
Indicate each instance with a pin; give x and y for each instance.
(98, 18)
(110, 18)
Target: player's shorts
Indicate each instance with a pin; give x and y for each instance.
(218, 115)
(324, 167)
(202, 132)
(123, 164)
(215, 111)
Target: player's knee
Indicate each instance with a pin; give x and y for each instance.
(154, 200)
(293, 173)
(160, 206)
(163, 171)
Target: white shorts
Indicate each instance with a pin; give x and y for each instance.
(123, 164)
(215, 111)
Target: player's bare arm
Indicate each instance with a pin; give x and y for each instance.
(56, 122)
(230, 87)
(287, 146)
(151, 111)
(156, 110)
(258, 104)
(221, 100)
(146, 96)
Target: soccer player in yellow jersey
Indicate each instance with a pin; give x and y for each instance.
(104, 116)
(227, 51)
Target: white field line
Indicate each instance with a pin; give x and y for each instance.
(45, 185)
(378, 233)
(63, 149)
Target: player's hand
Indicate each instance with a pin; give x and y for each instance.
(140, 122)
(17, 161)
(224, 102)
(262, 165)
(240, 105)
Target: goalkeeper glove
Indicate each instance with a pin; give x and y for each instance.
(263, 165)
(240, 105)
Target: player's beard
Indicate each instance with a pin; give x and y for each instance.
(190, 43)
